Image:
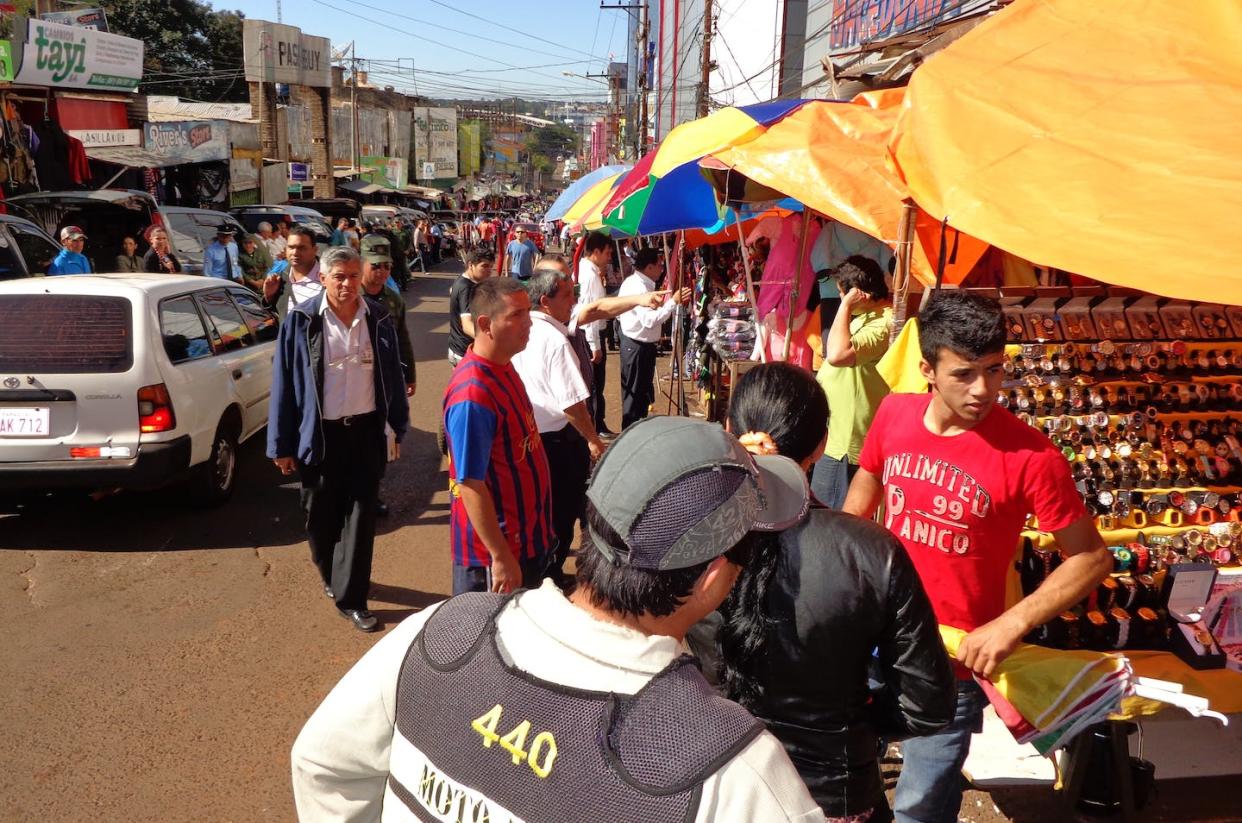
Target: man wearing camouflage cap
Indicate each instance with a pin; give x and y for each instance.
(376, 269)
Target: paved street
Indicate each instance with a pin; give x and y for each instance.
(160, 658)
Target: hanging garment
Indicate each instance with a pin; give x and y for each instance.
(79, 166)
(781, 269)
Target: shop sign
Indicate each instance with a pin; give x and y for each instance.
(858, 23)
(82, 18)
(388, 171)
(435, 142)
(200, 141)
(295, 188)
(299, 173)
(99, 138)
(6, 61)
(71, 57)
(276, 53)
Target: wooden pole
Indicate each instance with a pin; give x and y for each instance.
(761, 338)
(901, 275)
(679, 344)
(794, 290)
(669, 264)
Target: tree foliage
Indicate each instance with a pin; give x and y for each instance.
(192, 50)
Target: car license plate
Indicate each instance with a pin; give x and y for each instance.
(25, 422)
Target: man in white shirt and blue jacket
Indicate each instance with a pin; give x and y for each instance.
(337, 384)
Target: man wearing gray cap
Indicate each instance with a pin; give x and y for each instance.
(538, 706)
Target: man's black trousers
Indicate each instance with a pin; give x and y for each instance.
(339, 496)
(570, 462)
(596, 404)
(638, 362)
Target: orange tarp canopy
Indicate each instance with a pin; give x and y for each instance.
(833, 158)
(1100, 138)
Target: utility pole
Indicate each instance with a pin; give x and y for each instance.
(704, 97)
(644, 25)
(353, 105)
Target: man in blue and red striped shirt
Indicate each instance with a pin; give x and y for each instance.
(500, 522)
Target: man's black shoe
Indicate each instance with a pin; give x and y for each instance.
(381, 508)
(362, 619)
(328, 591)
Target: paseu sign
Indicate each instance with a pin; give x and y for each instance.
(75, 57)
(276, 53)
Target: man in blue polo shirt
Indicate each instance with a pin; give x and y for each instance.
(71, 260)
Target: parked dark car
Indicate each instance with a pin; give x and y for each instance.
(25, 249)
(108, 216)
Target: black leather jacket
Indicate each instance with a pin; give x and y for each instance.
(843, 587)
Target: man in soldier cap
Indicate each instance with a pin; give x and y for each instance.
(376, 268)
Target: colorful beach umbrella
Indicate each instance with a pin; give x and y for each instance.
(576, 189)
(590, 200)
(665, 190)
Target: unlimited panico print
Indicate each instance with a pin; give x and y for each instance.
(944, 527)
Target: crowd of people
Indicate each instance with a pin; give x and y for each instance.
(542, 692)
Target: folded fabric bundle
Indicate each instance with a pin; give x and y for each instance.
(1046, 697)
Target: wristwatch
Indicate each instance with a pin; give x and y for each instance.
(1122, 618)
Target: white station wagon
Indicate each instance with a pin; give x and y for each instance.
(130, 382)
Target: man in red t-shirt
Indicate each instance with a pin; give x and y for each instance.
(959, 477)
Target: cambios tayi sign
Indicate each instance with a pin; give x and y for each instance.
(76, 57)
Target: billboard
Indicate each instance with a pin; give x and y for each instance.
(391, 172)
(435, 141)
(276, 53)
(859, 22)
(63, 56)
(469, 137)
(85, 18)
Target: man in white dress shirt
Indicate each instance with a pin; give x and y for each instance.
(298, 281)
(554, 381)
(596, 255)
(640, 332)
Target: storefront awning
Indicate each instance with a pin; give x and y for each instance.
(361, 187)
(1091, 137)
(135, 157)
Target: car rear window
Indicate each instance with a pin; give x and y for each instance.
(65, 334)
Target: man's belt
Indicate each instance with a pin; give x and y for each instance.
(352, 419)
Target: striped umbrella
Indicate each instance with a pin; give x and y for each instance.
(665, 191)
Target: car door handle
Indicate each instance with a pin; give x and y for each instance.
(237, 374)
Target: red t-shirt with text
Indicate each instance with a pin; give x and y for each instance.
(958, 504)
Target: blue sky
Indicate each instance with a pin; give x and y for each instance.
(466, 48)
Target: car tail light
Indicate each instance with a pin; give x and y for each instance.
(155, 411)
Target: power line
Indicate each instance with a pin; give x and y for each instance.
(524, 33)
(388, 25)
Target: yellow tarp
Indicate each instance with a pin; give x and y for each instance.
(900, 364)
(1097, 137)
(833, 158)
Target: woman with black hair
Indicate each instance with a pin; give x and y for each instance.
(801, 625)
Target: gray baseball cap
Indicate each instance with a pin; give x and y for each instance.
(680, 492)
